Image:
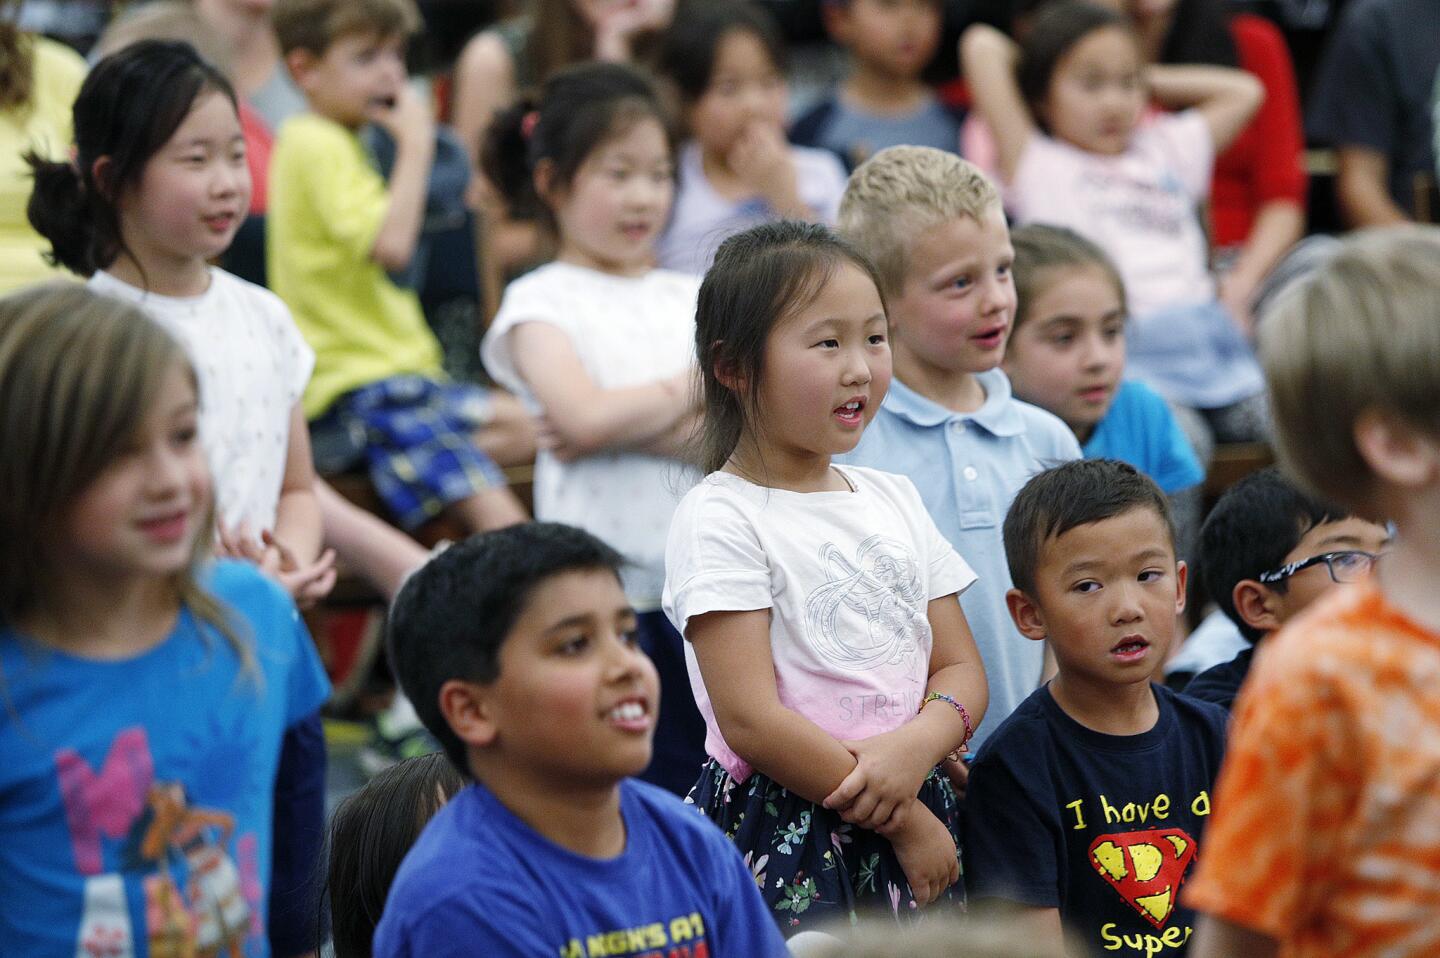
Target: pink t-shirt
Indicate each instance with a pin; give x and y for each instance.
(1141, 207)
(847, 576)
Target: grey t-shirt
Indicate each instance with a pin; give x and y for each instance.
(279, 99)
(855, 135)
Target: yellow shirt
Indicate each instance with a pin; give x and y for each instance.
(44, 126)
(327, 203)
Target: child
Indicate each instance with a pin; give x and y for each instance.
(158, 188)
(1269, 550)
(519, 650)
(883, 101)
(827, 650)
(1328, 796)
(370, 833)
(933, 225)
(727, 61)
(605, 345)
(1073, 152)
(146, 692)
(334, 231)
(1086, 805)
(1067, 353)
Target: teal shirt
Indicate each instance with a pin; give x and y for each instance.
(968, 468)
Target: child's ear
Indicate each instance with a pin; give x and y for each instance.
(1182, 576)
(835, 15)
(466, 707)
(545, 185)
(1256, 604)
(726, 375)
(301, 63)
(1397, 452)
(100, 173)
(1027, 615)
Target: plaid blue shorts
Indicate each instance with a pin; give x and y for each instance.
(415, 436)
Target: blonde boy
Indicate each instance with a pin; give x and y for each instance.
(335, 228)
(933, 226)
(1326, 832)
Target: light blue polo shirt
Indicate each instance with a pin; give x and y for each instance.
(968, 468)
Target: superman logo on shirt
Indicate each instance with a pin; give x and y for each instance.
(1145, 868)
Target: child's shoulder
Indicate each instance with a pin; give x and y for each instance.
(309, 132)
(1209, 719)
(252, 295)
(672, 822)
(1027, 731)
(237, 581)
(1045, 432)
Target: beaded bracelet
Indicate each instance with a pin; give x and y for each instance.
(964, 717)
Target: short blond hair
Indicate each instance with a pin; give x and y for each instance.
(312, 25)
(902, 191)
(1361, 335)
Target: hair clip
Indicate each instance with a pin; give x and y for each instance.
(528, 123)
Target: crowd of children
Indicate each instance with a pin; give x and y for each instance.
(864, 524)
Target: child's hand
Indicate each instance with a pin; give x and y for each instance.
(408, 119)
(888, 774)
(238, 542)
(761, 158)
(307, 584)
(926, 851)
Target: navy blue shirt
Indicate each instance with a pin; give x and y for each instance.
(479, 881)
(1103, 827)
(1222, 683)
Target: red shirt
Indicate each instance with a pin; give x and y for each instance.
(1267, 161)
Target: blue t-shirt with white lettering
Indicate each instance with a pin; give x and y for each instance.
(136, 795)
(479, 881)
(1105, 828)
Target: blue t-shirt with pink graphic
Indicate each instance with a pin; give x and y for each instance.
(136, 795)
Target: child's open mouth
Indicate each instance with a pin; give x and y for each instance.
(992, 338)
(1132, 648)
(851, 413)
(630, 715)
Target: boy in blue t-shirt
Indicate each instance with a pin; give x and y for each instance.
(518, 650)
(882, 101)
(933, 226)
(1086, 806)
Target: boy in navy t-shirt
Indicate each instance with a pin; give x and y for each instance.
(1268, 550)
(518, 650)
(1086, 806)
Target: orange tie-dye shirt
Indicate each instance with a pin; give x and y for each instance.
(1326, 826)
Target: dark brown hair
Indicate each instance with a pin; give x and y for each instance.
(17, 60)
(312, 25)
(1041, 250)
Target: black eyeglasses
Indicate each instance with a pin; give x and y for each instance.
(1346, 566)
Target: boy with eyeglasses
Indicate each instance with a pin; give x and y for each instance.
(1267, 551)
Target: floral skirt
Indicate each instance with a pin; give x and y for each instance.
(812, 867)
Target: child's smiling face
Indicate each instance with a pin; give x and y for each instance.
(576, 699)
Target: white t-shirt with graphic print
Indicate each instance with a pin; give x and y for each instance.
(847, 576)
(252, 364)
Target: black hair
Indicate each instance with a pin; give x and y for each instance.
(453, 615)
(127, 109)
(693, 41)
(1041, 249)
(1252, 528)
(759, 277)
(1200, 33)
(1076, 493)
(1055, 30)
(370, 833)
(577, 110)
